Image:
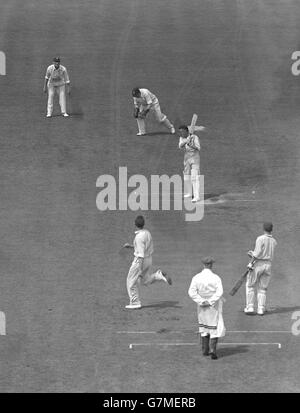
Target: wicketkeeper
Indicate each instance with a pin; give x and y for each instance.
(258, 279)
(206, 290)
(56, 81)
(144, 102)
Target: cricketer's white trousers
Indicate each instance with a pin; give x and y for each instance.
(191, 175)
(140, 272)
(160, 117)
(61, 91)
(257, 282)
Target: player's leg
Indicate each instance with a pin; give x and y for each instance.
(62, 99)
(141, 126)
(50, 100)
(188, 189)
(162, 118)
(250, 290)
(219, 332)
(134, 273)
(263, 283)
(213, 348)
(205, 343)
(195, 177)
(149, 277)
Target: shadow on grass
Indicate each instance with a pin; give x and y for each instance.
(164, 304)
(213, 196)
(281, 310)
(231, 351)
(159, 133)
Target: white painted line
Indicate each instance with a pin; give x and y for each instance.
(260, 331)
(131, 345)
(2, 324)
(196, 332)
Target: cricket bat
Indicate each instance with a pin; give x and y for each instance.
(193, 123)
(240, 282)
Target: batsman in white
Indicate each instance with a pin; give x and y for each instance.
(56, 81)
(258, 279)
(206, 290)
(140, 270)
(191, 173)
(144, 102)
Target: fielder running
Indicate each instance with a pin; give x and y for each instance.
(56, 81)
(144, 102)
(140, 270)
(258, 279)
(191, 173)
(206, 290)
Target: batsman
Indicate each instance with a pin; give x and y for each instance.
(190, 143)
(259, 279)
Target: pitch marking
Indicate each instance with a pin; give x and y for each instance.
(2, 324)
(131, 345)
(196, 332)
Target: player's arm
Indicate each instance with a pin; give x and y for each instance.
(127, 245)
(140, 247)
(67, 80)
(193, 293)
(182, 142)
(194, 143)
(147, 103)
(257, 250)
(46, 80)
(218, 294)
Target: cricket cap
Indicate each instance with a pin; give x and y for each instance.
(268, 226)
(56, 59)
(208, 260)
(136, 92)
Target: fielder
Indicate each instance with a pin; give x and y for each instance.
(206, 290)
(258, 279)
(140, 270)
(56, 81)
(144, 102)
(191, 173)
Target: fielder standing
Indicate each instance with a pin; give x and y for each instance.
(140, 270)
(191, 173)
(56, 81)
(258, 279)
(206, 290)
(144, 102)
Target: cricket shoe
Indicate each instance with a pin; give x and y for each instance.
(173, 130)
(167, 277)
(133, 306)
(65, 115)
(187, 196)
(196, 199)
(249, 311)
(48, 115)
(260, 311)
(140, 134)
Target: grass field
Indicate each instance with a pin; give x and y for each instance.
(63, 283)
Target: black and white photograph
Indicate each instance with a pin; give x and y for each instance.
(150, 192)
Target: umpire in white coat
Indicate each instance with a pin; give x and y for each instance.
(206, 290)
